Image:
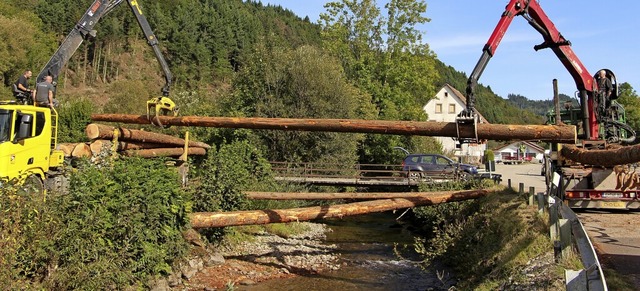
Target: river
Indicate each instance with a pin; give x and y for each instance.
(366, 245)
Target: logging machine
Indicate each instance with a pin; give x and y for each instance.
(28, 134)
(600, 120)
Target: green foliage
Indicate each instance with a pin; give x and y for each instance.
(385, 57)
(73, 119)
(487, 242)
(27, 232)
(117, 226)
(631, 102)
(128, 97)
(121, 224)
(489, 156)
(222, 177)
(301, 83)
(24, 45)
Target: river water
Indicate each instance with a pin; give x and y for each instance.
(366, 245)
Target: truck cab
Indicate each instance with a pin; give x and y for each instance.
(28, 141)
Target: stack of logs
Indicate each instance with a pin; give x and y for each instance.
(130, 142)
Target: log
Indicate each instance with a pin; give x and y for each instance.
(100, 131)
(67, 148)
(81, 150)
(164, 152)
(555, 133)
(336, 196)
(127, 145)
(97, 146)
(223, 219)
(606, 158)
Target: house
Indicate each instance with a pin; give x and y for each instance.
(521, 150)
(445, 107)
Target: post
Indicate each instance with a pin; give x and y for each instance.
(521, 189)
(509, 184)
(532, 193)
(553, 222)
(565, 237)
(540, 203)
(556, 101)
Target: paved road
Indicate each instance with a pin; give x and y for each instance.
(615, 234)
(529, 174)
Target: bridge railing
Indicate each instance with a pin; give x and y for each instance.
(334, 170)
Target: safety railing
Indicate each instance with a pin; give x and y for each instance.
(568, 235)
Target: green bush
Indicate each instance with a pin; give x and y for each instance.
(222, 177)
(115, 228)
(73, 118)
(489, 156)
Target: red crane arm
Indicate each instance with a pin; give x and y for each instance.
(553, 39)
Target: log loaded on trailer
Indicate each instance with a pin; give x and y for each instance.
(584, 183)
(28, 134)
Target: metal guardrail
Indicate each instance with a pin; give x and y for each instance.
(567, 232)
(591, 277)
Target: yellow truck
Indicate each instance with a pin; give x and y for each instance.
(28, 145)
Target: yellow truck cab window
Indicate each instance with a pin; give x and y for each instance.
(24, 121)
(5, 125)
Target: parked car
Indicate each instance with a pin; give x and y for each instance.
(435, 165)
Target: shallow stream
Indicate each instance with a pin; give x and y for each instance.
(366, 245)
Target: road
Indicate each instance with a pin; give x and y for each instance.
(613, 233)
(529, 174)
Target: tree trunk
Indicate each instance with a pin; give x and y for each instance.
(556, 133)
(222, 219)
(605, 158)
(81, 150)
(336, 196)
(67, 148)
(164, 152)
(99, 131)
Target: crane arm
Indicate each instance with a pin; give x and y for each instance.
(85, 29)
(153, 42)
(553, 39)
(81, 31)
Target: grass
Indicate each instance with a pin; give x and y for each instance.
(491, 242)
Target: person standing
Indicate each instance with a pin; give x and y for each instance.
(605, 88)
(43, 95)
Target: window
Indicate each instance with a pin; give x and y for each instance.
(439, 108)
(446, 94)
(5, 125)
(452, 108)
(442, 161)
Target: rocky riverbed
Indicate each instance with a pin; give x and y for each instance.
(266, 256)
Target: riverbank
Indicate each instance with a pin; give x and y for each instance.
(267, 256)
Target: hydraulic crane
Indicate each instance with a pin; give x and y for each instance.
(595, 110)
(601, 118)
(84, 29)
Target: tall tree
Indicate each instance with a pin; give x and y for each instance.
(631, 102)
(385, 56)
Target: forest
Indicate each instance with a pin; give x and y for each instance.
(229, 58)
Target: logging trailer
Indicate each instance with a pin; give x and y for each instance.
(28, 133)
(599, 119)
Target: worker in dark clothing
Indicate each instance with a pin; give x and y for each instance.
(43, 96)
(603, 96)
(21, 87)
(604, 85)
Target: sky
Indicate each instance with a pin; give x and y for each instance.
(603, 35)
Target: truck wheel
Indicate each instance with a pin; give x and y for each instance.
(33, 185)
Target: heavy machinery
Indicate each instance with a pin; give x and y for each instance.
(28, 134)
(600, 120)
